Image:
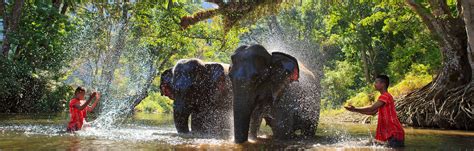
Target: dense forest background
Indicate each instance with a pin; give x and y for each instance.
(120, 49)
(117, 49)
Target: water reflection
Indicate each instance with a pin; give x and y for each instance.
(156, 131)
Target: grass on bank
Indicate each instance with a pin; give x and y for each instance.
(155, 103)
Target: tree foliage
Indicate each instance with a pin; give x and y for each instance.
(118, 49)
(32, 71)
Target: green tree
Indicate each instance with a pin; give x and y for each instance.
(337, 84)
(446, 102)
(125, 52)
(31, 71)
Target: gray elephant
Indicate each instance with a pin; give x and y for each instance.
(265, 86)
(201, 91)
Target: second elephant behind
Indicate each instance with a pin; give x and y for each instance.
(202, 91)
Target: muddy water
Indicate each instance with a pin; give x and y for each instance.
(156, 131)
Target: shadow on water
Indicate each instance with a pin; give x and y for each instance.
(156, 131)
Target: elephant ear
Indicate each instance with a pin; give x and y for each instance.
(284, 67)
(216, 73)
(165, 83)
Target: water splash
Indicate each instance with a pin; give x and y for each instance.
(152, 131)
(113, 64)
(306, 105)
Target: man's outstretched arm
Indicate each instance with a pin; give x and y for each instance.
(370, 110)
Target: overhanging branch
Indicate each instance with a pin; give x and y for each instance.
(440, 8)
(429, 20)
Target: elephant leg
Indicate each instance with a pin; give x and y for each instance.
(180, 116)
(227, 117)
(224, 123)
(284, 124)
(255, 121)
(309, 127)
(213, 122)
(309, 130)
(198, 122)
(309, 120)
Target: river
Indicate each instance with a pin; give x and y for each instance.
(156, 131)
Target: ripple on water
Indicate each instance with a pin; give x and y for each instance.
(137, 134)
(35, 129)
(165, 135)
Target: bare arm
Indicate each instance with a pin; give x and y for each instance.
(370, 110)
(81, 107)
(97, 97)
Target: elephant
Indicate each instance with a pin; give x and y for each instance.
(202, 91)
(297, 108)
(266, 86)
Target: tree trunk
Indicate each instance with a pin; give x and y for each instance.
(10, 23)
(113, 61)
(64, 8)
(468, 15)
(4, 14)
(153, 73)
(446, 102)
(363, 55)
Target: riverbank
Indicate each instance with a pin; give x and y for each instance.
(343, 116)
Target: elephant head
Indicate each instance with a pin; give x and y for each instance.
(189, 84)
(257, 77)
(165, 83)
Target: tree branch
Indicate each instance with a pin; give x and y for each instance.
(459, 8)
(429, 20)
(187, 21)
(426, 17)
(218, 2)
(153, 74)
(64, 8)
(202, 37)
(57, 4)
(440, 8)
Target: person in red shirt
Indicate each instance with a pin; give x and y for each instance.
(78, 108)
(389, 130)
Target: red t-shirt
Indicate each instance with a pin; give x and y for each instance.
(77, 116)
(388, 124)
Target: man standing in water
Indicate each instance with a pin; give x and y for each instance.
(389, 130)
(78, 108)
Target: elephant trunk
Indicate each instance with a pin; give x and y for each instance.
(242, 113)
(180, 116)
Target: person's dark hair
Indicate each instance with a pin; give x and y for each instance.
(79, 89)
(384, 79)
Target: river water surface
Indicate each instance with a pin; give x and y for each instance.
(156, 131)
